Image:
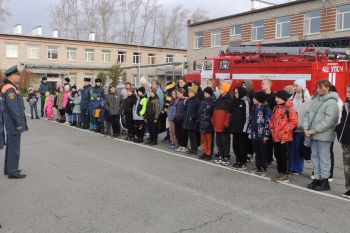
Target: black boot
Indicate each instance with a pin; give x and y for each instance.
(313, 184)
(323, 185)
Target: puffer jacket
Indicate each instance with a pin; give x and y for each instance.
(259, 122)
(343, 129)
(113, 104)
(325, 111)
(206, 111)
(221, 119)
(301, 103)
(191, 113)
(139, 110)
(153, 109)
(284, 120)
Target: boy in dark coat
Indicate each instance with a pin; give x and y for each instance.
(190, 121)
(239, 127)
(221, 121)
(206, 111)
(114, 107)
(152, 116)
(259, 131)
(128, 105)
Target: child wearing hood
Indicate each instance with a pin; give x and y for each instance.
(152, 116)
(283, 121)
(138, 115)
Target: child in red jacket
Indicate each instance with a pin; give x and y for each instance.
(284, 120)
(221, 121)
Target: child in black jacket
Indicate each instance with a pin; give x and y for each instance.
(128, 105)
(33, 100)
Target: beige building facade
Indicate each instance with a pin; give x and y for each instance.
(60, 58)
(324, 23)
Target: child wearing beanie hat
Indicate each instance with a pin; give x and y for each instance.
(152, 116)
(209, 91)
(284, 120)
(138, 115)
(221, 122)
(259, 131)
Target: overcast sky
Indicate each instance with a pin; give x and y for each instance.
(32, 13)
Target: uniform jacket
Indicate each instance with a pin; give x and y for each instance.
(113, 104)
(222, 114)
(343, 129)
(44, 87)
(240, 115)
(206, 111)
(2, 126)
(180, 110)
(140, 108)
(99, 91)
(13, 106)
(259, 122)
(284, 120)
(325, 111)
(128, 104)
(191, 113)
(85, 97)
(153, 109)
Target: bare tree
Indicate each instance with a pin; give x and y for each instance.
(148, 14)
(130, 10)
(4, 12)
(89, 21)
(106, 13)
(199, 14)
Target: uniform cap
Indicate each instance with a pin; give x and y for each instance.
(10, 71)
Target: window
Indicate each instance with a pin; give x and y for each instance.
(312, 22)
(151, 59)
(52, 53)
(136, 58)
(343, 17)
(224, 65)
(198, 40)
(33, 52)
(216, 38)
(73, 78)
(258, 31)
(106, 55)
(283, 27)
(169, 59)
(72, 54)
(208, 65)
(236, 30)
(12, 50)
(121, 57)
(89, 55)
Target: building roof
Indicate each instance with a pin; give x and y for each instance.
(88, 41)
(249, 12)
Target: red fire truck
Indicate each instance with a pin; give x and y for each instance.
(282, 65)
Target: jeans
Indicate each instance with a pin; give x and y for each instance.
(321, 159)
(34, 109)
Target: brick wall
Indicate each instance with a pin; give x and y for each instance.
(246, 32)
(297, 25)
(270, 28)
(225, 36)
(207, 39)
(328, 19)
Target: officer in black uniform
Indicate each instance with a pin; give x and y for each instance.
(98, 89)
(44, 87)
(2, 132)
(15, 122)
(84, 104)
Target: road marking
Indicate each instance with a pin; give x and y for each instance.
(208, 163)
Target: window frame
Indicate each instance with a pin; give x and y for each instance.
(121, 56)
(151, 59)
(256, 28)
(105, 53)
(281, 24)
(88, 53)
(197, 40)
(169, 57)
(309, 19)
(50, 53)
(138, 57)
(337, 20)
(30, 48)
(70, 52)
(234, 29)
(214, 34)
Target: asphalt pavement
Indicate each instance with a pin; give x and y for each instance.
(84, 182)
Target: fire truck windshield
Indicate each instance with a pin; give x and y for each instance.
(224, 65)
(208, 65)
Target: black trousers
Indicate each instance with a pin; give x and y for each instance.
(282, 151)
(223, 145)
(181, 134)
(115, 122)
(42, 105)
(332, 160)
(194, 140)
(129, 125)
(12, 153)
(85, 119)
(139, 126)
(269, 158)
(260, 149)
(240, 147)
(153, 131)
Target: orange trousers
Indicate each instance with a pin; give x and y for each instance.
(206, 142)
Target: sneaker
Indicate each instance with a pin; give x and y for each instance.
(312, 177)
(295, 173)
(258, 172)
(225, 162)
(179, 149)
(323, 185)
(282, 179)
(263, 174)
(313, 184)
(330, 179)
(172, 146)
(241, 167)
(276, 177)
(346, 194)
(184, 149)
(268, 165)
(218, 160)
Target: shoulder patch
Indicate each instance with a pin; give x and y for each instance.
(12, 96)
